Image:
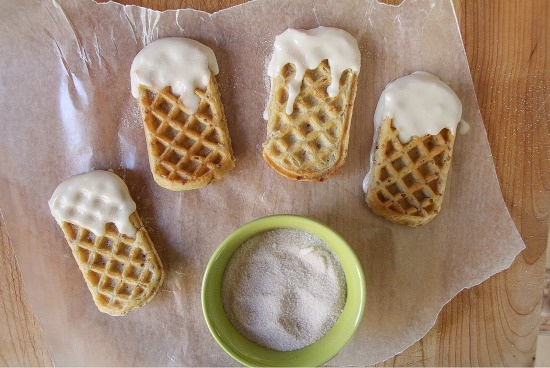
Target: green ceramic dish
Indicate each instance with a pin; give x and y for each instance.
(252, 354)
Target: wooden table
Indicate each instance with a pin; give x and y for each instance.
(495, 323)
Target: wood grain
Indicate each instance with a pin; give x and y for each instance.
(497, 322)
(21, 341)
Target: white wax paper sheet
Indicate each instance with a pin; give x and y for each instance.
(66, 108)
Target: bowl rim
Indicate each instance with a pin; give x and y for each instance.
(330, 344)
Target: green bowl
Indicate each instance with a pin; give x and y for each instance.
(252, 354)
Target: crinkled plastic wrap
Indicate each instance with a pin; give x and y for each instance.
(66, 108)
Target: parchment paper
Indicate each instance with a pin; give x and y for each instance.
(66, 108)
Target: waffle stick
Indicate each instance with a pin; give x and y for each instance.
(121, 272)
(186, 150)
(310, 144)
(407, 181)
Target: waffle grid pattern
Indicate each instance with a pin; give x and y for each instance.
(313, 139)
(185, 147)
(121, 272)
(409, 179)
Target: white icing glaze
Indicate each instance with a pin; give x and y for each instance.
(463, 127)
(306, 49)
(366, 180)
(419, 104)
(92, 200)
(181, 63)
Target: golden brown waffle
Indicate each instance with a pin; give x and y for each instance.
(122, 273)
(408, 180)
(186, 150)
(311, 143)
